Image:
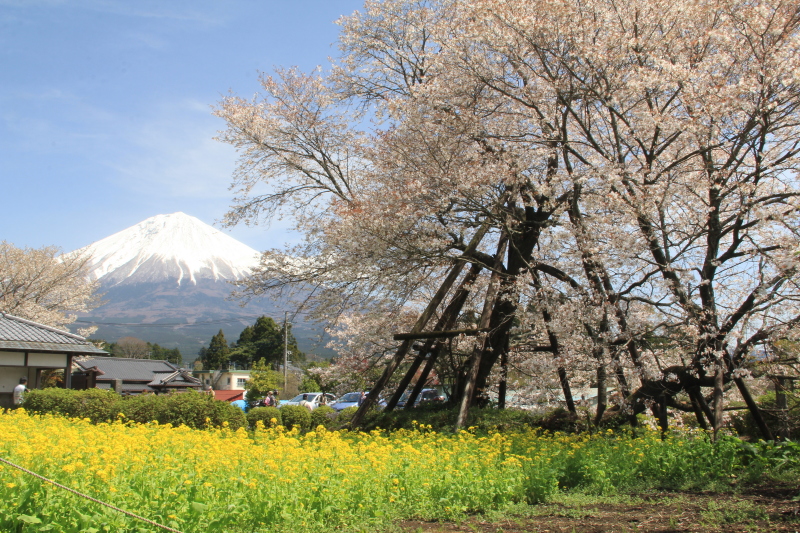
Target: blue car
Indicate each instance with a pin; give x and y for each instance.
(351, 400)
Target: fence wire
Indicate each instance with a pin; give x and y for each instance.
(86, 496)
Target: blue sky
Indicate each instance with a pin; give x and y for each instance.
(105, 107)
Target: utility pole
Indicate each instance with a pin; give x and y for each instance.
(285, 349)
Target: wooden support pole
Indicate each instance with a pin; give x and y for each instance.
(422, 321)
(443, 334)
(502, 389)
(555, 348)
(423, 377)
(705, 407)
(698, 411)
(446, 321)
(782, 406)
(602, 393)
(766, 433)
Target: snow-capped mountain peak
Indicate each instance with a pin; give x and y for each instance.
(175, 247)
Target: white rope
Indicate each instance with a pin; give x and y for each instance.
(73, 491)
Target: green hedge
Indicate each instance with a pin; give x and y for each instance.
(296, 416)
(324, 415)
(190, 408)
(95, 404)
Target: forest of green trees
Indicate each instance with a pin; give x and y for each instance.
(263, 340)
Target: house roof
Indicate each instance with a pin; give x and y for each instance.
(137, 374)
(143, 370)
(19, 334)
(229, 395)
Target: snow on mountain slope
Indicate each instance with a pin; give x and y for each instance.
(176, 247)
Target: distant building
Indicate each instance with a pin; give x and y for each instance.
(29, 349)
(219, 380)
(132, 376)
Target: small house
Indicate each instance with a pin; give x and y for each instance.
(32, 350)
(132, 376)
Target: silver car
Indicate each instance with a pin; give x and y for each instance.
(314, 398)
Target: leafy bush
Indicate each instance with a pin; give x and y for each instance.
(198, 410)
(322, 416)
(345, 415)
(442, 417)
(141, 409)
(190, 408)
(265, 415)
(95, 404)
(296, 416)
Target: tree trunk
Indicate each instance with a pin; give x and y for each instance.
(502, 388)
(486, 315)
(602, 394)
(663, 420)
(719, 381)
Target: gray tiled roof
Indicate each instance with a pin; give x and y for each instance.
(20, 334)
(138, 375)
(128, 369)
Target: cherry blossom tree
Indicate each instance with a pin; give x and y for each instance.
(622, 174)
(44, 285)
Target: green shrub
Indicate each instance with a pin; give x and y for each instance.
(141, 409)
(190, 408)
(95, 404)
(345, 415)
(265, 415)
(322, 416)
(99, 405)
(198, 410)
(442, 417)
(296, 416)
(489, 419)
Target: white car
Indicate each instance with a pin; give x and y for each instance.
(314, 398)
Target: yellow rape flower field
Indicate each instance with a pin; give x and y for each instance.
(277, 480)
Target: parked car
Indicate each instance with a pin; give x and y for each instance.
(425, 396)
(314, 398)
(351, 400)
(347, 400)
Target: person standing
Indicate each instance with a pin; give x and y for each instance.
(19, 390)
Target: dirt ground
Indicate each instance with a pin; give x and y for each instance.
(753, 509)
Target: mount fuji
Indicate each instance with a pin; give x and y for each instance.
(175, 248)
(167, 280)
